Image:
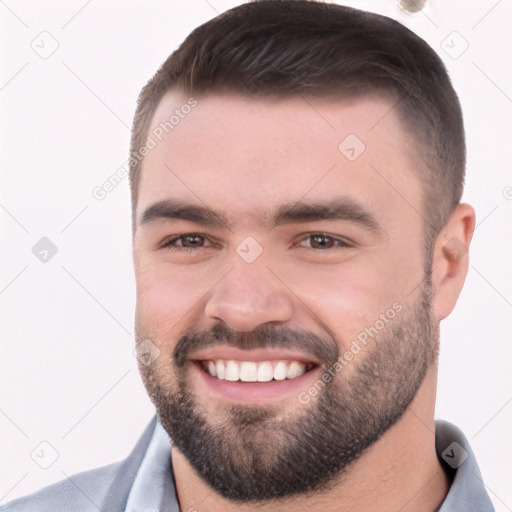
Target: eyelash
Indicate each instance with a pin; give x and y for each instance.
(170, 243)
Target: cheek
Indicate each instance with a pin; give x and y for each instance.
(167, 298)
(352, 296)
(161, 300)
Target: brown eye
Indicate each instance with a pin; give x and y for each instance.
(191, 240)
(321, 242)
(184, 243)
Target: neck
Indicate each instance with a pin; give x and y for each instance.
(400, 471)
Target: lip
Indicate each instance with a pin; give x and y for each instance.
(255, 355)
(250, 392)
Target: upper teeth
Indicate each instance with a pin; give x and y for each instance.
(250, 371)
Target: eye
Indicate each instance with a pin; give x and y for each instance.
(191, 242)
(321, 241)
(184, 243)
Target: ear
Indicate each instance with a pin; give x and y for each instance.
(450, 260)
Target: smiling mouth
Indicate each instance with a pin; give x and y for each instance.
(252, 371)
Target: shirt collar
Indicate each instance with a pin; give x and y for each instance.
(467, 492)
(153, 489)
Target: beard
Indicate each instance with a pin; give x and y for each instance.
(259, 452)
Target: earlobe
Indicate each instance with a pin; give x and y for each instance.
(450, 260)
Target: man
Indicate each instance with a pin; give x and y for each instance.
(298, 236)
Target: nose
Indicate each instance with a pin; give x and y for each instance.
(248, 296)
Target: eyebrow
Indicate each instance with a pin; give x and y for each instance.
(292, 213)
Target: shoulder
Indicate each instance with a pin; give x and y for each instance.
(83, 491)
(101, 489)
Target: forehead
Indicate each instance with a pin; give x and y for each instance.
(248, 154)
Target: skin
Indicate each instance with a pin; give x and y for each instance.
(244, 158)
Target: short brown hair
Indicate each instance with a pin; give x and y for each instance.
(307, 47)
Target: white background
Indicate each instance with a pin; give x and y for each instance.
(68, 375)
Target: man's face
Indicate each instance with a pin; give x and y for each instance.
(290, 325)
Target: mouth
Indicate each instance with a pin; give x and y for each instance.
(252, 376)
(253, 371)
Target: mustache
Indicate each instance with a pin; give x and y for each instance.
(323, 349)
